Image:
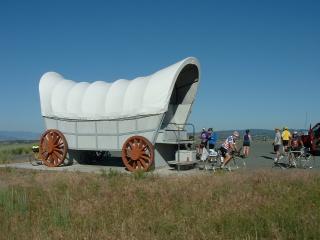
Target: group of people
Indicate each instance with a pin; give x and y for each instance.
(288, 141)
(285, 139)
(209, 140)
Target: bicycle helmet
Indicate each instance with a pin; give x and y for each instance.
(236, 134)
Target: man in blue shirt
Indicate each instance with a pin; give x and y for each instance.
(212, 138)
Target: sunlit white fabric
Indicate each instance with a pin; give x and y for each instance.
(100, 100)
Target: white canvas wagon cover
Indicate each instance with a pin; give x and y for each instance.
(62, 98)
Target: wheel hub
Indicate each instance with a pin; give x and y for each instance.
(135, 154)
(50, 147)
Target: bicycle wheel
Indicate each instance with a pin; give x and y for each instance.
(306, 161)
(290, 160)
(243, 163)
(208, 164)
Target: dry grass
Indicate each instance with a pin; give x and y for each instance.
(8, 151)
(257, 205)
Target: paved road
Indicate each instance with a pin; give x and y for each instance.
(261, 157)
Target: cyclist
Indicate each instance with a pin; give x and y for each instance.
(296, 142)
(227, 147)
(286, 136)
(296, 145)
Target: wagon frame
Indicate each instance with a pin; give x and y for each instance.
(145, 140)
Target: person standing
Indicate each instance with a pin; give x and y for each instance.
(212, 138)
(277, 144)
(203, 142)
(246, 143)
(204, 138)
(286, 137)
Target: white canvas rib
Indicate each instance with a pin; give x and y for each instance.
(62, 98)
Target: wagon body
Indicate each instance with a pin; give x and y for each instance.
(101, 117)
(104, 135)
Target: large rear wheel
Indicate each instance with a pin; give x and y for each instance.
(53, 148)
(137, 153)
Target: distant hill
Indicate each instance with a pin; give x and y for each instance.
(257, 134)
(18, 135)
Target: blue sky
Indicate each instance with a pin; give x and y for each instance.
(260, 60)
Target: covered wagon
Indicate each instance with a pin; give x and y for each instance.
(143, 120)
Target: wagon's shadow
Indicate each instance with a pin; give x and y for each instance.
(99, 159)
(267, 157)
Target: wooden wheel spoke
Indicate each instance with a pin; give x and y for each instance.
(60, 144)
(47, 156)
(139, 165)
(137, 153)
(143, 163)
(130, 145)
(144, 157)
(143, 147)
(127, 152)
(46, 139)
(50, 158)
(57, 155)
(53, 148)
(57, 139)
(55, 158)
(134, 165)
(59, 150)
(50, 138)
(138, 144)
(53, 137)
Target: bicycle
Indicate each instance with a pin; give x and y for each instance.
(237, 161)
(296, 159)
(209, 160)
(214, 161)
(300, 158)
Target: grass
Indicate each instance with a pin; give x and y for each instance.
(111, 205)
(8, 151)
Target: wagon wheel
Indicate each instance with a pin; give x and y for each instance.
(53, 148)
(137, 153)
